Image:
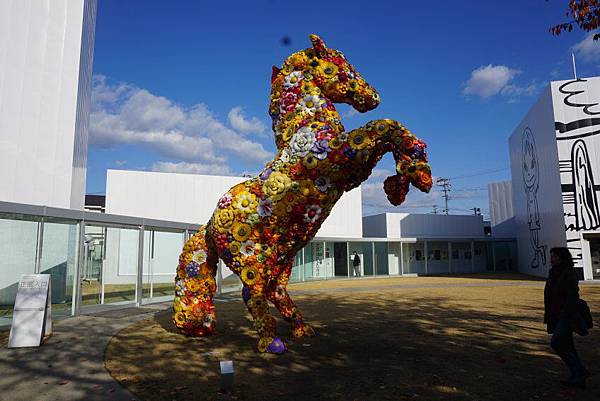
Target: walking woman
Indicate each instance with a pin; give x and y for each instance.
(561, 296)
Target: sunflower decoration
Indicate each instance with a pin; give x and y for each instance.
(359, 139)
(241, 231)
(249, 275)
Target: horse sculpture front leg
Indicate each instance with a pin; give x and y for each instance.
(278, 295)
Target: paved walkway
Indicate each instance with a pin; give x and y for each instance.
(70, 365)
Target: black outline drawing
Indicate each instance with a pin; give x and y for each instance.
(531, 183)
(579, 197)
(587, 215)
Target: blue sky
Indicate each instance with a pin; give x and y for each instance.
(184, 85)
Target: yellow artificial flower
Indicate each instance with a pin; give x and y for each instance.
(264, 343)
(224, 220)
(328, 69)
(359, 139)
(180, 318)
(276, 185)
(193, 285)
(234, 248)
(310, 162)
(241, 231)
(246, 202)
(249, 275)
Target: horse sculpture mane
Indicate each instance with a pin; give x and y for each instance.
(259, 225)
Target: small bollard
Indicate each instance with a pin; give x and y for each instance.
(226, 375)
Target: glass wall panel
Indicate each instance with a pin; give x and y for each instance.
(318, 260)
(437, 257)
(18, 248)
(60, 248)
(356, 264)
(296, 269)
(340, 259)
(367, 261)
(381, 258)
(394, 258)
(228, 280)
(161, 256)
(480, 257)
(110, 270)
(505, 256)
(461, 257)
(414, 258)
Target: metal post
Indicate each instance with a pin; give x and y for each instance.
(493, 255)
(401, 259)
(40, 246)
(324, 253)
(373, 257)
(77, 282)
(140, 268)
(449, 256)
(302, 270)
(348, 258)
(472, 256)
(426, 255)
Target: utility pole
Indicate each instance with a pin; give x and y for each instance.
(445, 184)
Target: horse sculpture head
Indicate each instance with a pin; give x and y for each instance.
(412, 167)
(335, 77)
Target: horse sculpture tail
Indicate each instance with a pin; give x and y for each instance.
(195, 285)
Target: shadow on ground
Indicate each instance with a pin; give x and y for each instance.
(439, 344)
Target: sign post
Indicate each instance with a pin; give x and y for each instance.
(32, 316)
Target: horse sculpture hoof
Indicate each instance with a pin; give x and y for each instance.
(272, 345)
(303, 331)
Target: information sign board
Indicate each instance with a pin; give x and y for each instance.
(32, 316)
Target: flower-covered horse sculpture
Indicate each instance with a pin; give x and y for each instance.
(260, 224)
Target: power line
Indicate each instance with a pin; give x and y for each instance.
(445, 184)
(482, 172)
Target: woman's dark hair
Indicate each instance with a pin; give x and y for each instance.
(566, 260)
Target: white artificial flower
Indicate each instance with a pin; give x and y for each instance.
(310, 104)
(292, 80)
(302, 142)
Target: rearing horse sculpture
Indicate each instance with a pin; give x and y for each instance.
(260, 224)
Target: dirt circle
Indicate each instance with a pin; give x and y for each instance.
(434, 344)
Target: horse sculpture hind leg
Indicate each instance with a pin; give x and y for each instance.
(195, 285)
(278, 295)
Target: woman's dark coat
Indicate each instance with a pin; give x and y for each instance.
(566, 282)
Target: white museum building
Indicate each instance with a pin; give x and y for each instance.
(555, 166)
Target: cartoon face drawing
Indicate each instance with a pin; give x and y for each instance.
(531, 170)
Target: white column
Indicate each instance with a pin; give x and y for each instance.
(140, 268)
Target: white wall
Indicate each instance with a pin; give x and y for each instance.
(408, 225)
(502, 216)
(537, 206)
(192, 198)
(577, 128)
(45, 85)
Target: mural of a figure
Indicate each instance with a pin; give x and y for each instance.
(586, 201)
(531, 182)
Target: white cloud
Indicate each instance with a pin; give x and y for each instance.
(122, 113)
(238, 121)
(489, 80)
(587, 49)
(191, 168)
